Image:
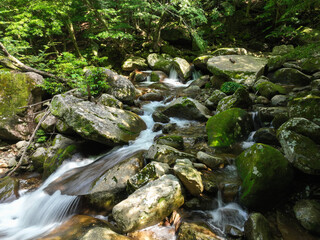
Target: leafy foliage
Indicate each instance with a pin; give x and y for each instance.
(230, 87)
(41, 136)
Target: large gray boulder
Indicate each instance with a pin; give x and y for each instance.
(96, 122)
(182, 67)
(290, 76)
(187, 108)
(134, 63)
(159, 62)
(120, 86)
(241, 67)
(149, 204)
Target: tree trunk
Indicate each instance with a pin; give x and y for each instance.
(156, 38)
(70, 28)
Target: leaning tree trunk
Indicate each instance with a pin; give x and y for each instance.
(73, 36)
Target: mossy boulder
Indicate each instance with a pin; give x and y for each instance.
(269, 89)
(240, 99)
(134, 63)
(310, 65)
(308, 214)
(282, 49)
(307, 107)
(290, 76)
(230, 51)
(201, 62)
(187, 108)
(301, 151)
(96, 122)
(158, 116)
(213, 100)
(265, 173)
(174, 141)
(110, 101)
(159, 62)
(150, 172)
(160, 198)
(189, 176)
(38, 158)
(228, 127)
(16, 91)
(258, 227)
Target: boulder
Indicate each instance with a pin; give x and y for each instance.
(84, 227)
(96, 122)
(201, 62)
(290, 76)
(201, 82)
(152, 96)
(310, 65)
(307, 107)
(302, 126)
(308, 214)
(174, 141)
(110, 101)
(16, 91)
(159, 62)
(166, 154)
(191, 231)
(228, 127)
(282, 49)
(120, 87)
(267, 114)
(189, 176)
(150, 172)
(110, 188)
(240, 99)
(38, 158)
(182, 67)
(9, 189)
(157, 76)
(279, 101)
(258, 227)
(230, 51)
(266, 135)
(239, 67)
(187, 108)
(269, 89)
(212, 161)
(301, 151)
(213, 100)
(158, 116)
(264, 172)
(134, 63)
(160, 198)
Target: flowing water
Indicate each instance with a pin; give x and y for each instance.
(38, 212)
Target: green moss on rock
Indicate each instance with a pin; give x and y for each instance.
(265, 172)
(269, 89)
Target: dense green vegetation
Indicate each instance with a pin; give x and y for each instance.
(63, 37)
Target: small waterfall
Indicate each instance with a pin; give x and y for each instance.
(173, 74)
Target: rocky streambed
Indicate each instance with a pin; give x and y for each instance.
(234, 154)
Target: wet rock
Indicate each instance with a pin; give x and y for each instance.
(201, 82)
(174, 141)
(212, 161)
(266, 136)
(262, 100)
(38, 158)
(110, 101)
(49, 123)
(120, 87)
(9, 189)
(191, 231)
(157, 127)
(109, 189)
(240, 99)
(191, 91)
(13, 125)
(307, 107)
(158, 116)
(139, 76)
(267, 114)
(201, 62)
(240, 66)
(257, 227)
(310, 64)
(84, 228)
(64, 128)
(160, 198)
(290, 76)
(110, 126)
(152, 96)
(228, 127)
(134, 63)
(166, 154)
(213, 100)
(187, 108)
(265, 172)
(301, 151)
(189, 176)
(308, 214)
(159, 62)
(182, 67)
(150, 172)
(168, 128)
(269, 89)
(279, 100)
(62, 148)
(302, 126)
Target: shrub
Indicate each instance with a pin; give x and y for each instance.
(230, 87)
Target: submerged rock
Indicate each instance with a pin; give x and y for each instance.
(189, 176)
(149, 204)
(187, 108)
(225, 128)
(96, 122)
(265, 172)
(308, 214)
